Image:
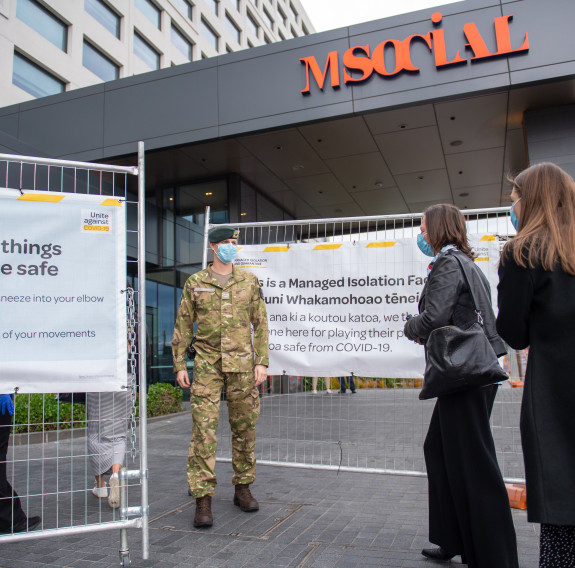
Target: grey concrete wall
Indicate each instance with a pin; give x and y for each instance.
(259, 89)
(11, 145)
(551, 136)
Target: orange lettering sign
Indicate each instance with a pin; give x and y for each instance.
(358, 58)
(331, 63)
(356, 63)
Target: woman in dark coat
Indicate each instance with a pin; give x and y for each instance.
(537, 310)
(469, 510)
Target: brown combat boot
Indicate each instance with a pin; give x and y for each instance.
(245, 500)
(203, 517)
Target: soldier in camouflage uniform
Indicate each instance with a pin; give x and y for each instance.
(225, 302)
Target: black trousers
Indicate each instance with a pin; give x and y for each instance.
(469, 510)
(10, 508)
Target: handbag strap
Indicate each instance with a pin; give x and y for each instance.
(466, 276)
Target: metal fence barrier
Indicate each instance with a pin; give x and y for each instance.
(382, 427)
(48, 462)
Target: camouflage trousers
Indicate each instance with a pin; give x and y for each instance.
(243, 401)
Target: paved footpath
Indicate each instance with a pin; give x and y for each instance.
(307, 519)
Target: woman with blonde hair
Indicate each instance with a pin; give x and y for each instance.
(537, 310)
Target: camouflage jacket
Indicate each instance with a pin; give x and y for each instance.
(223, 317)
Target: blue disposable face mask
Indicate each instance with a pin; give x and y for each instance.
(227, 252)
(514, 219)
(424, 246)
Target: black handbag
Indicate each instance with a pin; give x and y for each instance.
(460, 359)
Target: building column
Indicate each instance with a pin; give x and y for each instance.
(550, 136)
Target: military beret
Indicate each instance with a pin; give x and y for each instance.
(221, 233)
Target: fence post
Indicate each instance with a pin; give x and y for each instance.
(142, 347)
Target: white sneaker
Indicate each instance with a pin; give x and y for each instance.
(100, 492)
(313, 392)
(328, 391)
(114, 498)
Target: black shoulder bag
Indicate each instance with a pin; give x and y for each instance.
(460, 359)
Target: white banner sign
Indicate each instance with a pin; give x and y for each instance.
(334, 309)
(62, 272)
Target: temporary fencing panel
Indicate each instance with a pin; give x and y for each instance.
(79, 316)
(381, 427)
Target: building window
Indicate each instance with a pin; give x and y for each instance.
(104, 15)
(239, 5)
(304, 29)
(268, 19)
(146, 52)
(293, 11)
(150, 10)
(44, 22)
(252, 24)
(250, 44)
(94, 60)
(233, 28)
(215, 6)
(210, 34)
(281, 35)
(182, 43)
(184, 7)
(33, 79)
(293, 32)
(282, 16)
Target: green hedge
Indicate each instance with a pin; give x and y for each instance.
(163, 398)
(41, 412)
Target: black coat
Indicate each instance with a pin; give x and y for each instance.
(537, 310)
(469, 510)
(446, 300)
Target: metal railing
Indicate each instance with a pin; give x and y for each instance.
(382, 427)
(48, 462)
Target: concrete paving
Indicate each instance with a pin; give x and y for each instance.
(307, 519)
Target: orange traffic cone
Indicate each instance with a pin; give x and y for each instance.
(517, 495)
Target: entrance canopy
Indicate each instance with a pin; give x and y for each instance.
(394, 161)
(384, 117)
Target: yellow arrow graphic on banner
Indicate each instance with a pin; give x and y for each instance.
(111, 202)
(487, 238)
(326, 247)
(41, 197)
(383, 244)
(276, 249)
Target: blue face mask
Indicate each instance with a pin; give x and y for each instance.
(227, 252)
(424, 246)
(514, 219)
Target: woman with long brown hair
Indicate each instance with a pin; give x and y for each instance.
(537, 310)
(469, 510)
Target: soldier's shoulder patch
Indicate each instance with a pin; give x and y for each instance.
(249, 275)
(196, 278)
(243, 277)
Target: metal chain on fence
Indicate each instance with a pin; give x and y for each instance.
(132, 359)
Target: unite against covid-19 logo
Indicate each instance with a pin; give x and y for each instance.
(94, 220)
